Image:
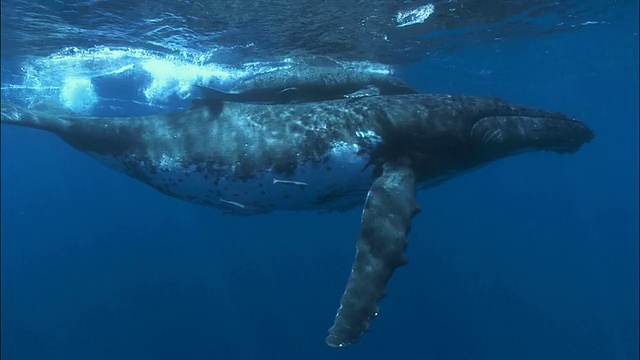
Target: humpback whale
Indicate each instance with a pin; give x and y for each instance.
(305, 83)
(374, 152)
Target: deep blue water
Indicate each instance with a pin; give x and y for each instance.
(531, 257)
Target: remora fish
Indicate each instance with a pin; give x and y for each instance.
(329, 155)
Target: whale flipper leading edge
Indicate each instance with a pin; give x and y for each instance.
(386, 220)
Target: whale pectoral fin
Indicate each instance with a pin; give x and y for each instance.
(368, 91)
(386, 220)
(219, 95)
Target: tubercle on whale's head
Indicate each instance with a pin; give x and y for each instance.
(506, 135)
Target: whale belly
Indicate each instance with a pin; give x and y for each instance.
(336, 182)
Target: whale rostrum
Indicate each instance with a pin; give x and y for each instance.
(371, 151)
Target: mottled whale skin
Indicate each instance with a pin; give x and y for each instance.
(305, 83)
(328, 155)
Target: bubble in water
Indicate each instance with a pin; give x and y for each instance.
(77, 94)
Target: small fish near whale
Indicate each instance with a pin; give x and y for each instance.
(372, 151)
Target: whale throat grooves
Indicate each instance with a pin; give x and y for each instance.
(386, 221)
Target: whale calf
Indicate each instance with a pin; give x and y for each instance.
(305, 83)
(373, 152)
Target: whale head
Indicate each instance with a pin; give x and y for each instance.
(499, 136)
(445, 135)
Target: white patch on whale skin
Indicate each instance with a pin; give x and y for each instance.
(337, 182)
(290, 182)
(168, 162)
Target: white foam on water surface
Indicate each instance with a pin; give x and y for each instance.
(75, 78)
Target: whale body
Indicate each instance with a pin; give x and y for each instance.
(372, 151)
(307, 83)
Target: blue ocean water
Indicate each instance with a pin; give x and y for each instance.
(531, 257)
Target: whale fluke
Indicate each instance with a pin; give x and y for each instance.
(16, 115)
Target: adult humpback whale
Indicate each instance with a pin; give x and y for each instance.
(376, 150)
(304, 83)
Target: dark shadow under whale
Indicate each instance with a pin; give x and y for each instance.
(327, 155)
